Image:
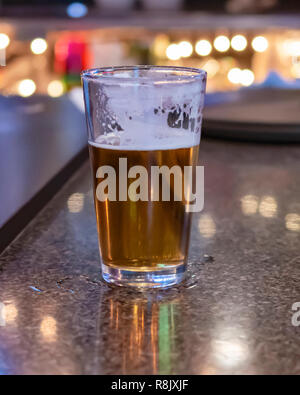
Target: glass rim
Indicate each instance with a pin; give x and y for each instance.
(184, 74)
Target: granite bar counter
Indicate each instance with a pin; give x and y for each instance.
(232, 315)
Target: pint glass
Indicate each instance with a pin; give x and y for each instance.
(144, 127)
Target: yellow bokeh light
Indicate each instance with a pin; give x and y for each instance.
(4, 41)
(249, 204)
(239, 42)
(212, 66)
(38, 46)
(203, 47)
(292, 222)
(48, 328)
(222, 43)
(268, 207)
(55, 88)
(186, 49)
(26, 88)
(247, 77)
(234, 75)
(173, 52)
(260, 44)
(207, 226)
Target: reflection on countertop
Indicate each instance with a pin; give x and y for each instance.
(233, 314)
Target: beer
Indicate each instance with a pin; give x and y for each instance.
(142, 235)
(144, 129)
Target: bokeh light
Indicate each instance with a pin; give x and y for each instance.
(55, 88)
(77, 10)
(38, 46)
(247, 77)
(26, 88)
(4, 41)
(173, 52)
(203, 47)
(239, 42)
(234, 75)
(212, 67)
(222, 43)
(186, 49)
(260, 44)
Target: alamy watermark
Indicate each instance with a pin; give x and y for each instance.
(296, 315)
(156, 186)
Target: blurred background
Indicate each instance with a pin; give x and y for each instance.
(249, 48)
(47, 44)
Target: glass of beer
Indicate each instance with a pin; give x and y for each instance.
(144, 128)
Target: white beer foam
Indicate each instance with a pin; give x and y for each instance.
(151, 115)
(166, 141)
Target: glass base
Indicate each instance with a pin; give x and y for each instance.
(162, 278)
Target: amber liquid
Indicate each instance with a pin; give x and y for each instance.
(143, 235)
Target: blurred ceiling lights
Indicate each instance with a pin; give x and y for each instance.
(4, 41)
(38, 46)
(244, 77)
(260, 44)
(247, 77)
(55, 88)
(77, 10)
(222, 43)
(203, 47)
(26, 88)
(185, 48)
(234, 75)
(239, 42)
(225, 66)
(173, 52)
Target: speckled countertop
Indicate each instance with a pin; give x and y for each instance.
(233, 315)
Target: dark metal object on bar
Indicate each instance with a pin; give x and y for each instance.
(262, 115)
